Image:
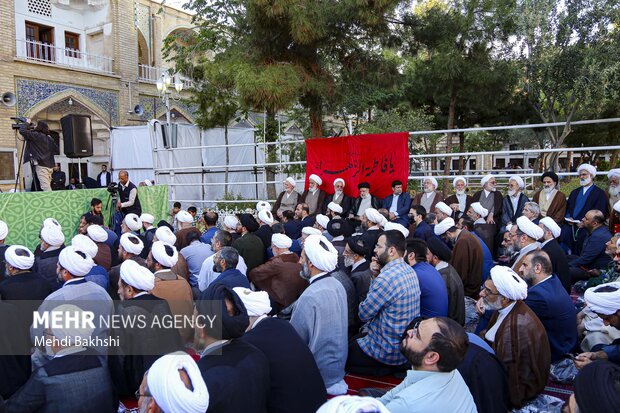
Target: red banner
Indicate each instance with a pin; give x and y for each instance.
(376, 159)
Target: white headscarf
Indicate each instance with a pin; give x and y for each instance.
(443, 226)
(256, 302)
(590, 168)
(518, 180)
(529, 228)
(508, 283)
(265, 216)
(16, 261)
(324, 259)
(479, 209)
(148, 218)
(129, 246)
(137, 276)
(316, 179)
(185, 217)
(4, 230)
(83, 243)
(323, 220)
(161, 256)
(459, 178)
(396, 226)
(261, 205)
(133, 222)
(353, 404)
(603, 303)
(231, 222)
(443, 207)
(53, 235)
(335, 207)
(551, 225)
(164, 234)
(78, 263)
(96, 233)
(169, 391)
(281, 241)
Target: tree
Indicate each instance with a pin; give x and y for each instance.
(565, 48)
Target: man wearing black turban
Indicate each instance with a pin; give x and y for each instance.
(597, 389)
(551, 201)
(236, 372)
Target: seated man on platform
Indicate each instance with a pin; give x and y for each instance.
(339, 198)
(459, 202)
(434, 347)
(429, 197)
(549, 300)
(516, 335)
(313, 196)
(491, 199)
(391, 303)
(593, 249)
(361, 203)
(514, 201)
(287, 200)
(398, 204)
(551, 201)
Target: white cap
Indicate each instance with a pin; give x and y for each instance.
(529, 228)
(147, 218)
(590, 168)
(334, 207)
(479, 209)
(444, 225)
(486, 179)
(322, 220)
(281, 241)
(316, 179)
(133, 222)
(260, 205)
(265, 216)
(396, 226)
(443, 207)
(551, 225)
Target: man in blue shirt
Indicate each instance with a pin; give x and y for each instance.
(593, 249)
(549, 300)
(434, 348)
(434, 294)
(210, 218)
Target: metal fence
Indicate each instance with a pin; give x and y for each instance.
(417, 161)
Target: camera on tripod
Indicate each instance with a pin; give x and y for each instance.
(113, 188)
(19, 121)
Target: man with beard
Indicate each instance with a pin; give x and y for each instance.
(514, 201)
(313, 196)
(287, 200)
(428, 198)
(398, 204)
(467, 254)
(59, 179)
(559, 261)
(51, 244)
(549, 300)
(434, 347)
(207, 274)
(393, 300)
(21, 282)
(614, 197)
(320, 315)
(507, 252)
(551, 201)
(438, 255)
(339, 198)
(361, 203)
(526, 239)
(355, 253)
(459, 202)
(486, 232)
(302, 215)
(592, 254)
(129, 248)
(422, 229)
(372, 221)
(442, 211)
(581, 200)
(249, 246)
(516, 335)
(225, 262)
(490, 199)
(128, 202)
(433, 290)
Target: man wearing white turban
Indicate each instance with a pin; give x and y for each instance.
(393, 300)
(130, 247)
(51, 244)
(491, 200)
(279, 276)
(314, 196)
(275, 337)
(429, 197)
(586, 198)
(174, 384)
(170, 286)
(21, 283)
(97, 274)
(326, 336)
(131, 223)
(184, 219)
(604, 301)
(264, 232)
(288, 198)
(141, 346)
(557, 256)
(372, 221)
(398, 204)
(353, 404)
(442, 211)
(516, 334)
(526, 239)
(4, 232)
(339, 198)
(514, 201)
(613, 189)
(460, 201)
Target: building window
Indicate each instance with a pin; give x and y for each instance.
(40, 42)
(72, 44)
(7, 165)
(41, 7)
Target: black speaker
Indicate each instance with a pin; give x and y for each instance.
(77, 134)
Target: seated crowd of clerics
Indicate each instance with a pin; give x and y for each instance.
(470, 299)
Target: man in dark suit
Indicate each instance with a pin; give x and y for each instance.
(359, 205)
(593, 250)
(398, 204)
(104, 178)
(586, 198)
(514, 201)
(59, 179)
(339, 197)
(559, 261)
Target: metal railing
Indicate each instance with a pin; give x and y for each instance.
(151, 74)
(63, 56)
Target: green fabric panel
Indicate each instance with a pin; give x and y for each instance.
(24, 212)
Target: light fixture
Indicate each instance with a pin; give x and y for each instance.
(161, 86)
(70, 102)
(178, 84)
(167, 79)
